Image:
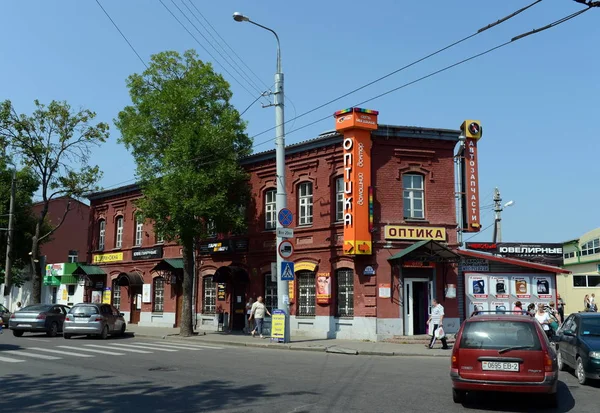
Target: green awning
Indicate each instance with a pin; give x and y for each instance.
(426, 250)
(88, 270)
(69, 279)
(52, 280)
(169, 264)
(408, 250)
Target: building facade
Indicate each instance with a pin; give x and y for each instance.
(582, 259)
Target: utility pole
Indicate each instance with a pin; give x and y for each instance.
(498, 217)
(9, 241)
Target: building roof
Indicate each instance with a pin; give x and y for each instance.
(513, 261)
(39, 203)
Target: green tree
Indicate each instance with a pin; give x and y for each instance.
(55, 144)
(186, 139)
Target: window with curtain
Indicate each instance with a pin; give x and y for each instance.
(158, 287)
(345, 292)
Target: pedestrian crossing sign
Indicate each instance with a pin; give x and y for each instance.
(287, 271)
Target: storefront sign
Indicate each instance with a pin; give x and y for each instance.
(147, 293)
(304, 266)
(475, 264)
(291, 290)
(147, 253)
(106, 296)
(221, 292)
(96, 297)
(418, 264)
(55, 270)
(385, 290)
(356, 125)
(110, 257)
(415, 233)
(516, 249)
(472, 132)
(278, 325)
(369, 271)
(224, 246)
(323, 288)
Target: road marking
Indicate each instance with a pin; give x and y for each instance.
(120, 348)
(198, 346)
(60, 352)
(91, 350)
(7, 360)
(37, 339)
(151, 347)
(178, 346)
(33, 355)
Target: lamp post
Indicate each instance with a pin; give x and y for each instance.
(7, 285)
(498, 208)
(281, 196)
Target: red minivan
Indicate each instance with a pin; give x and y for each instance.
(503, 353)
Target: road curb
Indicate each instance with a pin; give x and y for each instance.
(330, 350)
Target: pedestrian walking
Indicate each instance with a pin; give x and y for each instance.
(593, 306)
(586, 303)
(561, 308)
(249, 323)
(436, 321)
(258, 314)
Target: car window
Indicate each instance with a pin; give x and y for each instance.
(65, 310)
(568, 324)
(575, 325)
(106, 310)
(37, 307)
(114, 310)
(498, 334)
(84, 310)
(590, 326)
(55, 310)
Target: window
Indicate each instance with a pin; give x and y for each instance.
(496, 335)
(73, 256)
(159, 295)
(305, 203)
(139, 230)
(270, 293)
(116, 294)
(413, 193)
(211, 228)
(209, 304)
(101, 233)
(306, 293)
(590, 248)
(270, 209)
(71, 289)
(586, 281)
(569, 254)
(345, 292)
(119, 233)
(339, 199)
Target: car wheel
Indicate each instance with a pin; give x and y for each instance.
(53, 331)
(104, 333)
(580, 372)
(458, 395)
(17, 333)
(67, 336)
(559, 361)
(122, 332)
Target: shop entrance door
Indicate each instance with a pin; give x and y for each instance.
(179, 303)
(417, 305)
(136, 304)
(239, 306)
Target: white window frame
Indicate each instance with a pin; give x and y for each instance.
(116, 294)
(209, 295)
(270, 209)
(101, 234)
(270, 293)
(345, 289)
(591, 247)
(72, 258)
(158, 295)
(587, 280)
(305, 203)
(339, 199)
(119, 232)
(139, 231)
(412, 193)
(307, 294)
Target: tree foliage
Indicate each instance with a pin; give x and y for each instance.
(186, 139)
(54, 143)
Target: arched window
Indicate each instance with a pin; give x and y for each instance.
(305, 203)
(209, 302)
(306, 293)
(101, 234)
(116, 294)
(413, 196)
(139, 230)
(345, 292)
(158, 304)
(119, 233)
(270, 209)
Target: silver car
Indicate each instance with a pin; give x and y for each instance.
(38, 318)
(94, 319)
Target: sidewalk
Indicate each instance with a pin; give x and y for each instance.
(351, 347)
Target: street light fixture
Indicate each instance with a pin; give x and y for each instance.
(283, 300)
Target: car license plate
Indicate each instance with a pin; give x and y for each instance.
(24, 325)
(499, 366)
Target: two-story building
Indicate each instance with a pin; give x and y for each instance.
(370, 280)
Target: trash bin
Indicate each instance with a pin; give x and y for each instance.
(223, 321)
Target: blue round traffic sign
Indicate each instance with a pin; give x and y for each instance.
(285, 217)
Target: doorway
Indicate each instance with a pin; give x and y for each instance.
(178, 302)
(417, 305)
(136, 304)
(239, 305)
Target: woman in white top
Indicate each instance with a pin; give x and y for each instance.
(248, 326)
(543, 318)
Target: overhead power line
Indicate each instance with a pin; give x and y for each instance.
(122, 34)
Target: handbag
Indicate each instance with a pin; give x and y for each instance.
(439, 333)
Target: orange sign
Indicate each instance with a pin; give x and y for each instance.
(291, 289)
(472, 131)
(356, 125)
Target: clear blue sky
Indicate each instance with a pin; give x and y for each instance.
(537, 98)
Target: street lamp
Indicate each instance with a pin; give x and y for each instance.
(283, 300)
(498, 208)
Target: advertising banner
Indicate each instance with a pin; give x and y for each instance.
(542, 287)
(477, 285)
(278, 325)
(96, 297)
(323, 288)
(521, 287)
(501, 307)
(106, 296)
(220, 292)
(477, 306)
(147, 293)
(543, 253)
(110, 257)
(414, 233)
(500, 287)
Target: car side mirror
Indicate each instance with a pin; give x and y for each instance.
(569, 333)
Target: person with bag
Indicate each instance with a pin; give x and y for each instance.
(435, 323)
(258, 314)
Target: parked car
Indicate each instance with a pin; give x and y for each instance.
(94, 319)
(503, 353)
(4, 315)
(577, 345)
(48, 318)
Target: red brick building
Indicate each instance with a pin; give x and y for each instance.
(382, 293)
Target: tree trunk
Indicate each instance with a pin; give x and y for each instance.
(186, 326)
(36, 279)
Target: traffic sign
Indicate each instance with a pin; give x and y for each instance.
(286, 249)
(285, 232)
(285, 217)
(287, 271)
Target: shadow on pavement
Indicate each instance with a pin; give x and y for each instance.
(525, 402)
(55, 393)
(126, 336)
(6, 347)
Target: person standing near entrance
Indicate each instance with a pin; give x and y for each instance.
(436, 320)
(561, 308)
(248, 315)
(258, 313)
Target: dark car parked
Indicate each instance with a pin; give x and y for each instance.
(4, 315)
(577, 345)
(48, 318)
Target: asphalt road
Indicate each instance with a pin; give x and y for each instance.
(138, 375)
